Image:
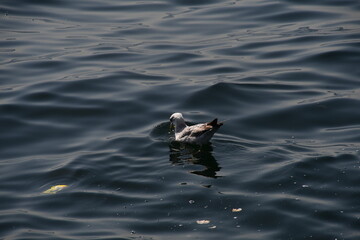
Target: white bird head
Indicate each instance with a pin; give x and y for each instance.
(177, 121)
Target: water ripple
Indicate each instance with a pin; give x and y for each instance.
(87, 88)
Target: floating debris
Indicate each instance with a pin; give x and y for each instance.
(191, 201)
(236, 210)
(203, 221)
(212, 227)
(55, 189)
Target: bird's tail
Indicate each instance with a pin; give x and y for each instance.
(215, 123)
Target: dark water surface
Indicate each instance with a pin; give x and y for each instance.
(87, 88)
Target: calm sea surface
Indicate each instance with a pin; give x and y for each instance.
(87, 88)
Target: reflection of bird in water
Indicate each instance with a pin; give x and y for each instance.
(181, 153)
(196, 134)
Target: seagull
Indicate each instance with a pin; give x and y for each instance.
(196, 134)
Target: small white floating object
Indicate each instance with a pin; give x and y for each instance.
(55, 189)
(236, 210)
(203, 221)
(212, 227)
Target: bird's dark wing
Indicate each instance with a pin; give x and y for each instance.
(200, 129)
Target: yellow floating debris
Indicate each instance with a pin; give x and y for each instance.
(55, 189)
(202, 221)
(236, 210)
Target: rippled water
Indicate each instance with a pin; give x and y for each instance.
(87, 88)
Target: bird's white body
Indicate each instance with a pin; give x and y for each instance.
(195, 134)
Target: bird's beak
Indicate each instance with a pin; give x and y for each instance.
(172, 127)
